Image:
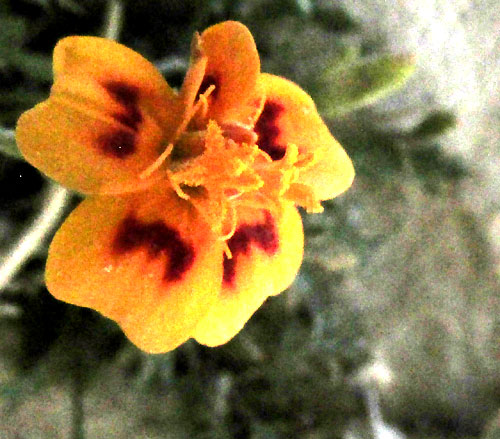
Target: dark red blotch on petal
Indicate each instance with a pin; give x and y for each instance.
(263, 235)
(208, 80)
(121, 142)
(117, 143)
(268, 130)
(157, 239)
(127, 96)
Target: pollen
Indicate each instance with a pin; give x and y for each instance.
(237, 164)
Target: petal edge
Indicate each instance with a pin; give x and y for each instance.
(261, 269)
(155, 272)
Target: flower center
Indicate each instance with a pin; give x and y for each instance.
(220, 166)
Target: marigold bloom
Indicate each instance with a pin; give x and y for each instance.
(190, 221)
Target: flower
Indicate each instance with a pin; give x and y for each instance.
(190, 221)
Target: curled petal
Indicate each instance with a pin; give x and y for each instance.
(145, 260)
(233, 67)
(108, 117)
(267, 251)
(290, 116)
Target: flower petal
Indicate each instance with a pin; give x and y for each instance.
(108, 117)
(290, 116)
(145, 260)
(266, 251)
(233, 67)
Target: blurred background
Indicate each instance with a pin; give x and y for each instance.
(391, 330)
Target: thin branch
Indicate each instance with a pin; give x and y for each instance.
(172, 64)
(379, 428)
(54, 204)
(114, 17)
(7, 134)
(8, 143)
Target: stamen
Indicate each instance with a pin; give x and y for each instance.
(201, 105)
(181, 128)
(209, 91)
(227, 251)
(157, 163)
(176, 186)
(233, 220)
(234, 196)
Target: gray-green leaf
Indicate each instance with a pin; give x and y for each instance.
(344, 87)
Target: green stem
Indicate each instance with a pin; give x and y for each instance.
(114, 17)
(8, 144)
(56, 199)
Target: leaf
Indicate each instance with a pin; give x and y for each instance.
(432, 165)
(344, 86)
(8, 144)
(435, 124)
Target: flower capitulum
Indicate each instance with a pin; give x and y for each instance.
(190, 220)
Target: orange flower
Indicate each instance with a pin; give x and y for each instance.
(190, 221)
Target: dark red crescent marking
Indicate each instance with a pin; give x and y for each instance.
(264, 235)
(208, 80)
(120, 143)
(268, 131)
(127, 96)
(158, 240)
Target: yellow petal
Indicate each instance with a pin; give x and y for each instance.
(290, 116)
(233, 66)
(110, 114)
(267, 252)
(145, 260)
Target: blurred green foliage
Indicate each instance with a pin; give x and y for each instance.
(352, 81)
(436, 123)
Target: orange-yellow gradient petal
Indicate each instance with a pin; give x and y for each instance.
(144, 260)
(267, 252)
(233, 66)
(108, 117)
(290, 116)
